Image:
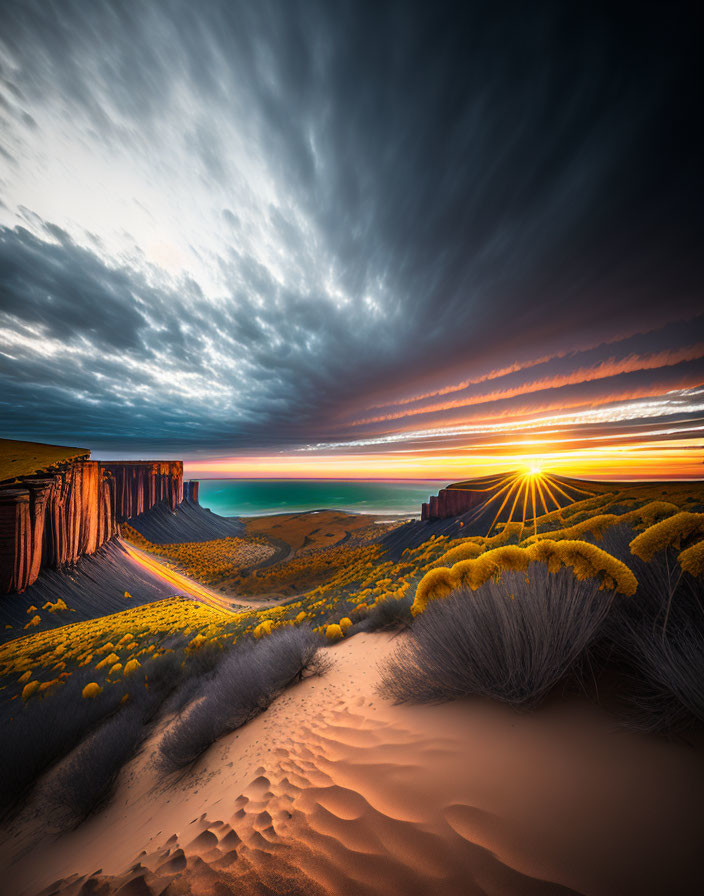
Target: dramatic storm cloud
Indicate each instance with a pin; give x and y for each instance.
(336, 229)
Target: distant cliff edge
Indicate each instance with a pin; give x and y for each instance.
(57, 505)
(452, 501)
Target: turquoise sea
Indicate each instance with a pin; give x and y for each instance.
(254, 497)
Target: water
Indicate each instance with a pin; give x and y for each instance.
(255, 497)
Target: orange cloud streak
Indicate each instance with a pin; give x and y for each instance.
(515, 367)
(603, 370)
(677, 459)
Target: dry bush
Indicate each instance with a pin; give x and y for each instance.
(242, 687)
(85, 780)
(387, 615)
(43, 731)
(677, 531)
(44, 734)
(658, 639)
(512, 640)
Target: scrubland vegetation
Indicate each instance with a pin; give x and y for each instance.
(206, 561)
(492, 642)
(309, 531)
(612, 583)
(515, 621)
(243, 685)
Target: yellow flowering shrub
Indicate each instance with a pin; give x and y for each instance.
(466, 550)
(92, 690)
(586, 561)
(101, 640)
(676, 532)
(692, 559)
(596, 525)
(131, 666)
(345, 624)
(510, 530)
(438, 582)
(55, 607)
(651, 513)
(30, 689)
(334, 632)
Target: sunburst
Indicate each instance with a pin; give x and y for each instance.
(524, 496)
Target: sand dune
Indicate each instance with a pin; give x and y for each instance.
(334, 790)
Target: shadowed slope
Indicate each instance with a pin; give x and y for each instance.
(190, 522)
(94, 587)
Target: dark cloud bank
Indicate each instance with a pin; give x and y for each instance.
(493, 185)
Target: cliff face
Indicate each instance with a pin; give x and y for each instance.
(450, 502)
(140, 485)
(190, 490)
(51, 519)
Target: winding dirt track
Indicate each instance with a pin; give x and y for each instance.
(187, 586)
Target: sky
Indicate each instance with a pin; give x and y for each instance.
(347, 239)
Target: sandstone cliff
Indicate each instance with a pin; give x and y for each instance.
(140, 485)
(52, 518)
(450, 502)
(190, 490)
(56, 506)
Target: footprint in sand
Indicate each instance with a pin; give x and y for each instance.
(204, 842)
(175, 864)
(230, 840)
(263, 819)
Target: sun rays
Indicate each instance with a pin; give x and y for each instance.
(524, 495)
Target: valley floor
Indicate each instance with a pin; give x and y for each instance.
(334, 790)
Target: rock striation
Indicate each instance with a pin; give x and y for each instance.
(53, 516)
(190, 490)
(140, 485)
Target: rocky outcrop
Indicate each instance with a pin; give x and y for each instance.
(141, 485)
(450, 502)
(51, 519)
(190, 490)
